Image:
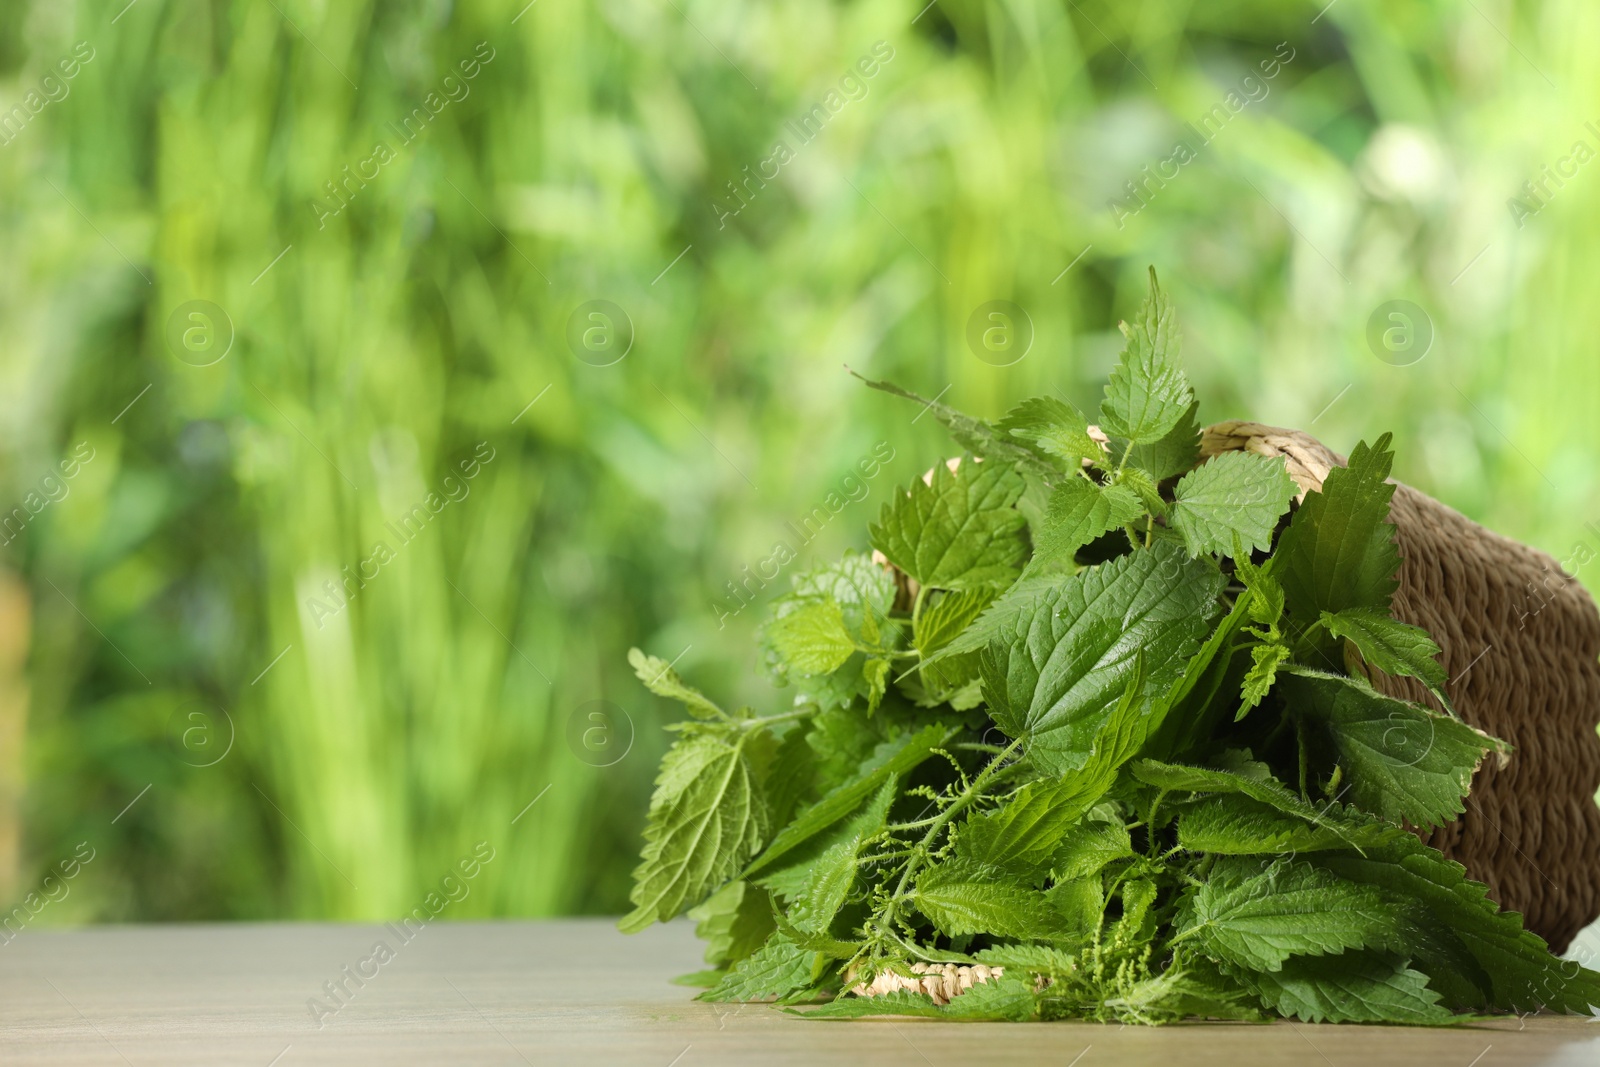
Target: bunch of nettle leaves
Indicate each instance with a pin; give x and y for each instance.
(1102, 748)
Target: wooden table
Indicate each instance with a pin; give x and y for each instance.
(576, 992)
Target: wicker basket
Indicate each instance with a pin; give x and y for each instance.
(1521, 643)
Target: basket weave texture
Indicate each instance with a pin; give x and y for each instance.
(1521, 646)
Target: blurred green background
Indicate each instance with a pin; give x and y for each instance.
(178, 687)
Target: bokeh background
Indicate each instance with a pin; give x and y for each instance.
(179, 688)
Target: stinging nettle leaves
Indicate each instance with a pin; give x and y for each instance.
(1148, 394)
(1391, 646)
(1174, 454)
(1352, 987)
(959, 532)
(1257, 917)
(845, 798)
(975, 435)
(1400, 761)
(968, 899)
(1056, 427)
(1080, 511)
(1265, 659)
(1018, 738)
(1237, 497)
(659, 677)
(1088, 847)
(1054, 675)
(707, 818)
(779, 970)
(1339, 549)
(733, 922)
(1232, 824)
(813, 639)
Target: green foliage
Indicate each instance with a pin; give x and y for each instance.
(1232, 498)
(779, 970)
(1339, 552)
(1088, 847)
(1352, 987)
(1056, 427)
(1257, 918)
(1174, 454)
(707, 818)
(1392, 646)
(1401, 762)
(1054, 674)
(1232, 824)
(1080, 511)
(659, 677)
(1126, 782)
(733, 922)
(844, 797)
(813, 638)
(1148, 395)
(960, 531)
(962, 899)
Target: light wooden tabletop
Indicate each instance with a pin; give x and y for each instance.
(578, 992)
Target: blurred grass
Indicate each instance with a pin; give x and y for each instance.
(590, 152)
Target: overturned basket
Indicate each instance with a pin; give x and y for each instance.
(1521, 645)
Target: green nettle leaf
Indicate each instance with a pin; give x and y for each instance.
(777, 971)
(1357, 833)
(975, 435)
(1080, 511)
(1236, 495)
(813, 639)
(1264, 663)
(1056, 427)
(1088, 847)
(1042, 960)
(1138, 895)
(1148, 394)
(707, 818)
(1175, 453)
(1352, 987)
(966, 899)
(733, 922)
(1236, 825)
(1339, 550)
(1008, 610)
(900, 1002)
(1400, 761)
(960, 532)
(945, 616)
(863, 590)
(1520, 972)
(659, 677)
(790, 777)
(1256, 917)
(1004, 999)
(1194, 989)
(1054, 675)
(876, 672)
(1081, 905)
(1266, 592)
(1391, 646)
